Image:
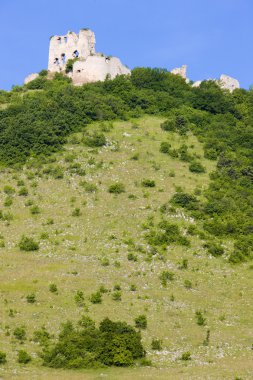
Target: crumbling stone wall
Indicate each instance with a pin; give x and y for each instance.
(88, 66)
(70, 46)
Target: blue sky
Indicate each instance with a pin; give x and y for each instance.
(210, 36)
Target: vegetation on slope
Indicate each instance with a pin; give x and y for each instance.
(135, 220)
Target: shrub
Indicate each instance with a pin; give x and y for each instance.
(41, 336)
(43, 73)
(214, 249)
(165, 147)
(186, 356)
(112, 344)
(95, 140)
(28, 244)
(88, 187)
(187, 284)
(196, 167)
(53, 288)
(201, 320)
(156, 344)
(20, 334)
(165, 277)
(96, 298)
(141, 322)
(185, 200)
(23, 357)
(148, 183)
(8, 201)
(169, 124)
(105, 262)
(31, 298)
(79, 298)
(133, 288)
(132, 257)
(2, 357)
(34, 210)
(23, 191)
(117, 188)
(116, 295)
(76, 212)
(9, 190)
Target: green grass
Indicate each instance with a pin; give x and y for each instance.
(110, 226)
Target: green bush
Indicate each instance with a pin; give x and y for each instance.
(2, 357)
(20, 333)
(76, 212)
(116, 188)
(165, 147)
(23, 191)
(156, 344)
(8, 201)
(42, 336)
(201, 320)
(185, 200)
(148, 183)
(53, 288)
(186, 356)
(23, 357)
(141, 322)
(79, 298)
(96, 298)
(85, 346)
(169, 124)
(95, 140)
(9, 190)
(28, 244)
(116, 295)
(196, 167)
(31, 298)
(34, 210)
(166, 276)
(132, 257)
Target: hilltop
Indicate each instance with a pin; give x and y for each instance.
(125, 198)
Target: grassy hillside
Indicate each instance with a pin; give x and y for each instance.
(90, 236)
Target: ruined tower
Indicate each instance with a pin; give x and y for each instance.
(87, 65)
(70, 46)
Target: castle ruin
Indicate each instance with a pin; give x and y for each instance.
(79, 51)
(75, 56)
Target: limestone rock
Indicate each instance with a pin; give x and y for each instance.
(228, 83)
(180, 71)
(197, 83)
(31, 77)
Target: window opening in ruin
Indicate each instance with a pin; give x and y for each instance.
(59, 40)
(56, 61)
(63, 58)
(76, 54)
(78, 71)
(65, 39)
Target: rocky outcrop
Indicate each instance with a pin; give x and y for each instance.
(180, 71)
(31, 77)
(228, 83)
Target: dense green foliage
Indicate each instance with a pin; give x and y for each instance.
(36, 119)
(85, 346)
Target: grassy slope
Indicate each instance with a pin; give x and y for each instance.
(71, 258)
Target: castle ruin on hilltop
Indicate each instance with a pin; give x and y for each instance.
(79, 51)
(75, 56)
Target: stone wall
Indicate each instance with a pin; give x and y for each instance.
(89, 66)
(70, 46)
